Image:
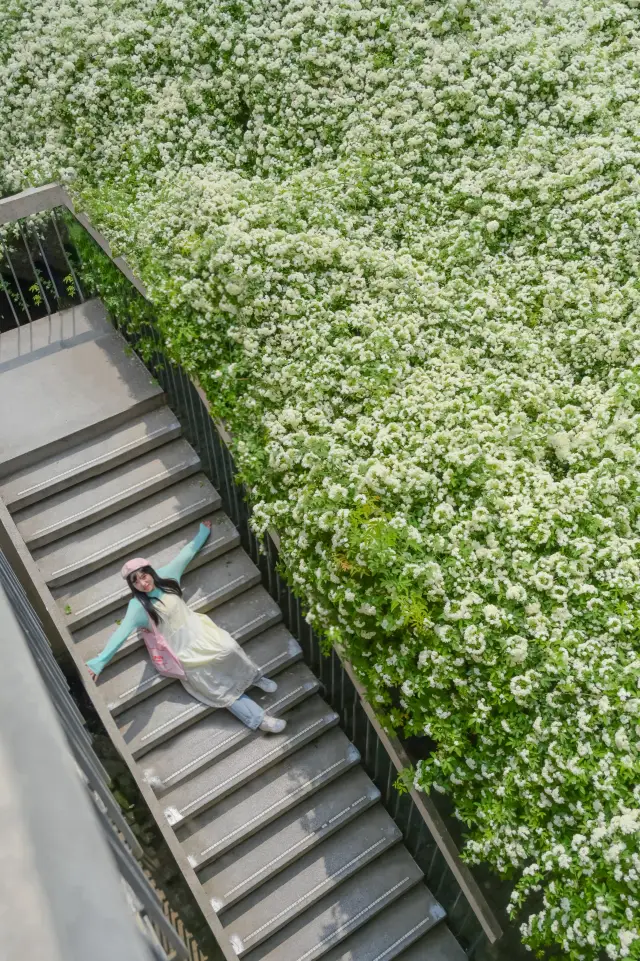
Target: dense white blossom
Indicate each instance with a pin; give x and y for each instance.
(399, 244)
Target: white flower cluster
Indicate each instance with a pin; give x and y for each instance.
(400, 245)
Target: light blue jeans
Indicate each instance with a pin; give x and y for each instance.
(247, 711)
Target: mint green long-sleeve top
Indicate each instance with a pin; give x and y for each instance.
(136, 616)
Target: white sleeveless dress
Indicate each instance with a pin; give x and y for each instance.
(217, 670)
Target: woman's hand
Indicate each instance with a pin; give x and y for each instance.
(207, 524)
(92, 674)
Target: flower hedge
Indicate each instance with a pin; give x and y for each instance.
(398, 243)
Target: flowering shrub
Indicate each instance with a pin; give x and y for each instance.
(398, 243)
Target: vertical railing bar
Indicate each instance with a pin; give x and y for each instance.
(354, 719)
(34, 230)
(376, 755)
(396, 808)
(436, 851)
(332, 666)
(421, 832)
(33, 267)
(390, 784)
(367, 728)
(8, 296)
(76, 282)
(455, 902)
(474, 945)
(173, 394)
(192, 403)
(17, 283)
(411, 810)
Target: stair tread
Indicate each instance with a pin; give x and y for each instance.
(267, 796)
(92, 558)
(271, 850)
(278, 901)
(89, 458)
(305, 722)
(340, 912)
(205, 587)
(438, 944)
(97, 497)
(182, 755)
(396, 928)
(243, 617)
(171, 709)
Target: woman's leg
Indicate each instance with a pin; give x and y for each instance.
(254, 717)
(247, 711)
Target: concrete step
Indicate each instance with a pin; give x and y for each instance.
(105, 588)
(168, 711)
(398, 927)
(204, 588)
(305, 722)
(220, 732)
(342, 911)
(68, 392)
(244, 617)
(278, 901)
(133, 678)
(90, 458)
(261, 857)
(437, 945)
(163, 523)
(98, 497)
(268, 796)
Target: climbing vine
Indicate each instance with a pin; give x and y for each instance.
(398, 244)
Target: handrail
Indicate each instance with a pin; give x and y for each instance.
(45, 198)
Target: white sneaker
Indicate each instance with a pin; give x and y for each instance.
(273, 725)
(267, 685)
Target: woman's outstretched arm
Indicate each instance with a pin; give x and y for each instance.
(176, 568)
(136, 617)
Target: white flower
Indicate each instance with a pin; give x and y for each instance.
(492, 614)
(627, 938)
(621, 739)
(443, 513)
(517, 648)
(475, 642)
(521, 686)
(367, 609)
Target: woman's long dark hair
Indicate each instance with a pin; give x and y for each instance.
(165, 584)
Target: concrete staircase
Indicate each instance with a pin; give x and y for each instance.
(286, 833)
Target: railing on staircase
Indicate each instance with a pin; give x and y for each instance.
(425, 833)
(64, 839)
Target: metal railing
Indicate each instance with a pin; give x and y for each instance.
(425, 833)
(56, 801)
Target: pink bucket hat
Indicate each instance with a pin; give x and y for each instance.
(134, 565)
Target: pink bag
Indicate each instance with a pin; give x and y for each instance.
(162, 657)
